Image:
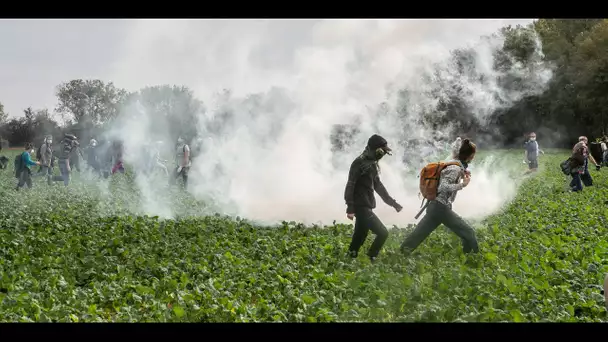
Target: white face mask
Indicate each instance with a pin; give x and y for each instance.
(50, 141)
(31, 151)
(533, 139)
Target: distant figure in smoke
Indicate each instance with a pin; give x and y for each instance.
(75, 158)
(579, 165)
(45, 156)
(118, 152)
(68, 146)
(604, 150)
(363, 179)
(182, 159)
(3, 162)
(531, 153)
(104, 155)
(439, 211)
(24, 167)
(93, 157)
(154, 162)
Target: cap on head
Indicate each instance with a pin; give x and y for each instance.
(376, 142)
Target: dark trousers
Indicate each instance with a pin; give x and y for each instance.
(578, 179)
(183, 173)
(366, 220)
(25, 178)
(436, 214)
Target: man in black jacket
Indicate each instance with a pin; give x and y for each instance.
(363, 179)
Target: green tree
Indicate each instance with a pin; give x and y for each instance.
(89, 102)
(3, 114)
(173, 110)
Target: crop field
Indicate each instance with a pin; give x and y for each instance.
(75, 255)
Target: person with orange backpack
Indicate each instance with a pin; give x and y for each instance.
(439, 184)
(363, 179)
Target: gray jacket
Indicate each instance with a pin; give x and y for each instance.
(46, 155)
(449, 184)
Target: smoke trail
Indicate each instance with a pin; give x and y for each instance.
(268, 155)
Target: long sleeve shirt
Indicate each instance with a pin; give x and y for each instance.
(449, 184)
(46, 155)
(27, 160)
(363, 180)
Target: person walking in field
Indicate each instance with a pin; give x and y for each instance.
(182, 160)
(93, 160)
(531, 153)
(579, 165)
(363, 180)
(45, 156)
(67, 147)
(23, 164)
(453, 177)
(117, 157)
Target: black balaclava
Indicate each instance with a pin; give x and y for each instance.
(374, 143)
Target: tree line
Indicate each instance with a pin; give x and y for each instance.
(573, 102)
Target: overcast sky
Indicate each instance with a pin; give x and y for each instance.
(206, 55)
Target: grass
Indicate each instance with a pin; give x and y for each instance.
(78, 254)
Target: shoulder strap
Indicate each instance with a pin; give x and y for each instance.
(450, 163)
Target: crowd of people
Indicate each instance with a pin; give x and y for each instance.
(102, 160)
(439, 182)
(439, 185)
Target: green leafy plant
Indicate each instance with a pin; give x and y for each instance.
(68, 256)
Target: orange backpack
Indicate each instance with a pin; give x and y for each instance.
(429, 178)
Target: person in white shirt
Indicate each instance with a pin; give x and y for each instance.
(532, 150)
(182, 159)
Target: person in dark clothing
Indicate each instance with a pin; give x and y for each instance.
(579, 165)
(67, 147)
(3, 162)
(46, 159)
(532, 150)
(75, 159)
(363, 179)
(439, 211)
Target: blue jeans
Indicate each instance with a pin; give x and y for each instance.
(65, 174)
(44, 171)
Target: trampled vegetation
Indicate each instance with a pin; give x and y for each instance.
(67, 256)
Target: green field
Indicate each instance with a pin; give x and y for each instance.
(543, 259)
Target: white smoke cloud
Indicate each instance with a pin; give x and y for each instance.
(273, 159)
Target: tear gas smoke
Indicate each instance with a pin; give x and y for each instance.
(267, 153)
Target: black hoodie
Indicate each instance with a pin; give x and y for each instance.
(363, 179)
